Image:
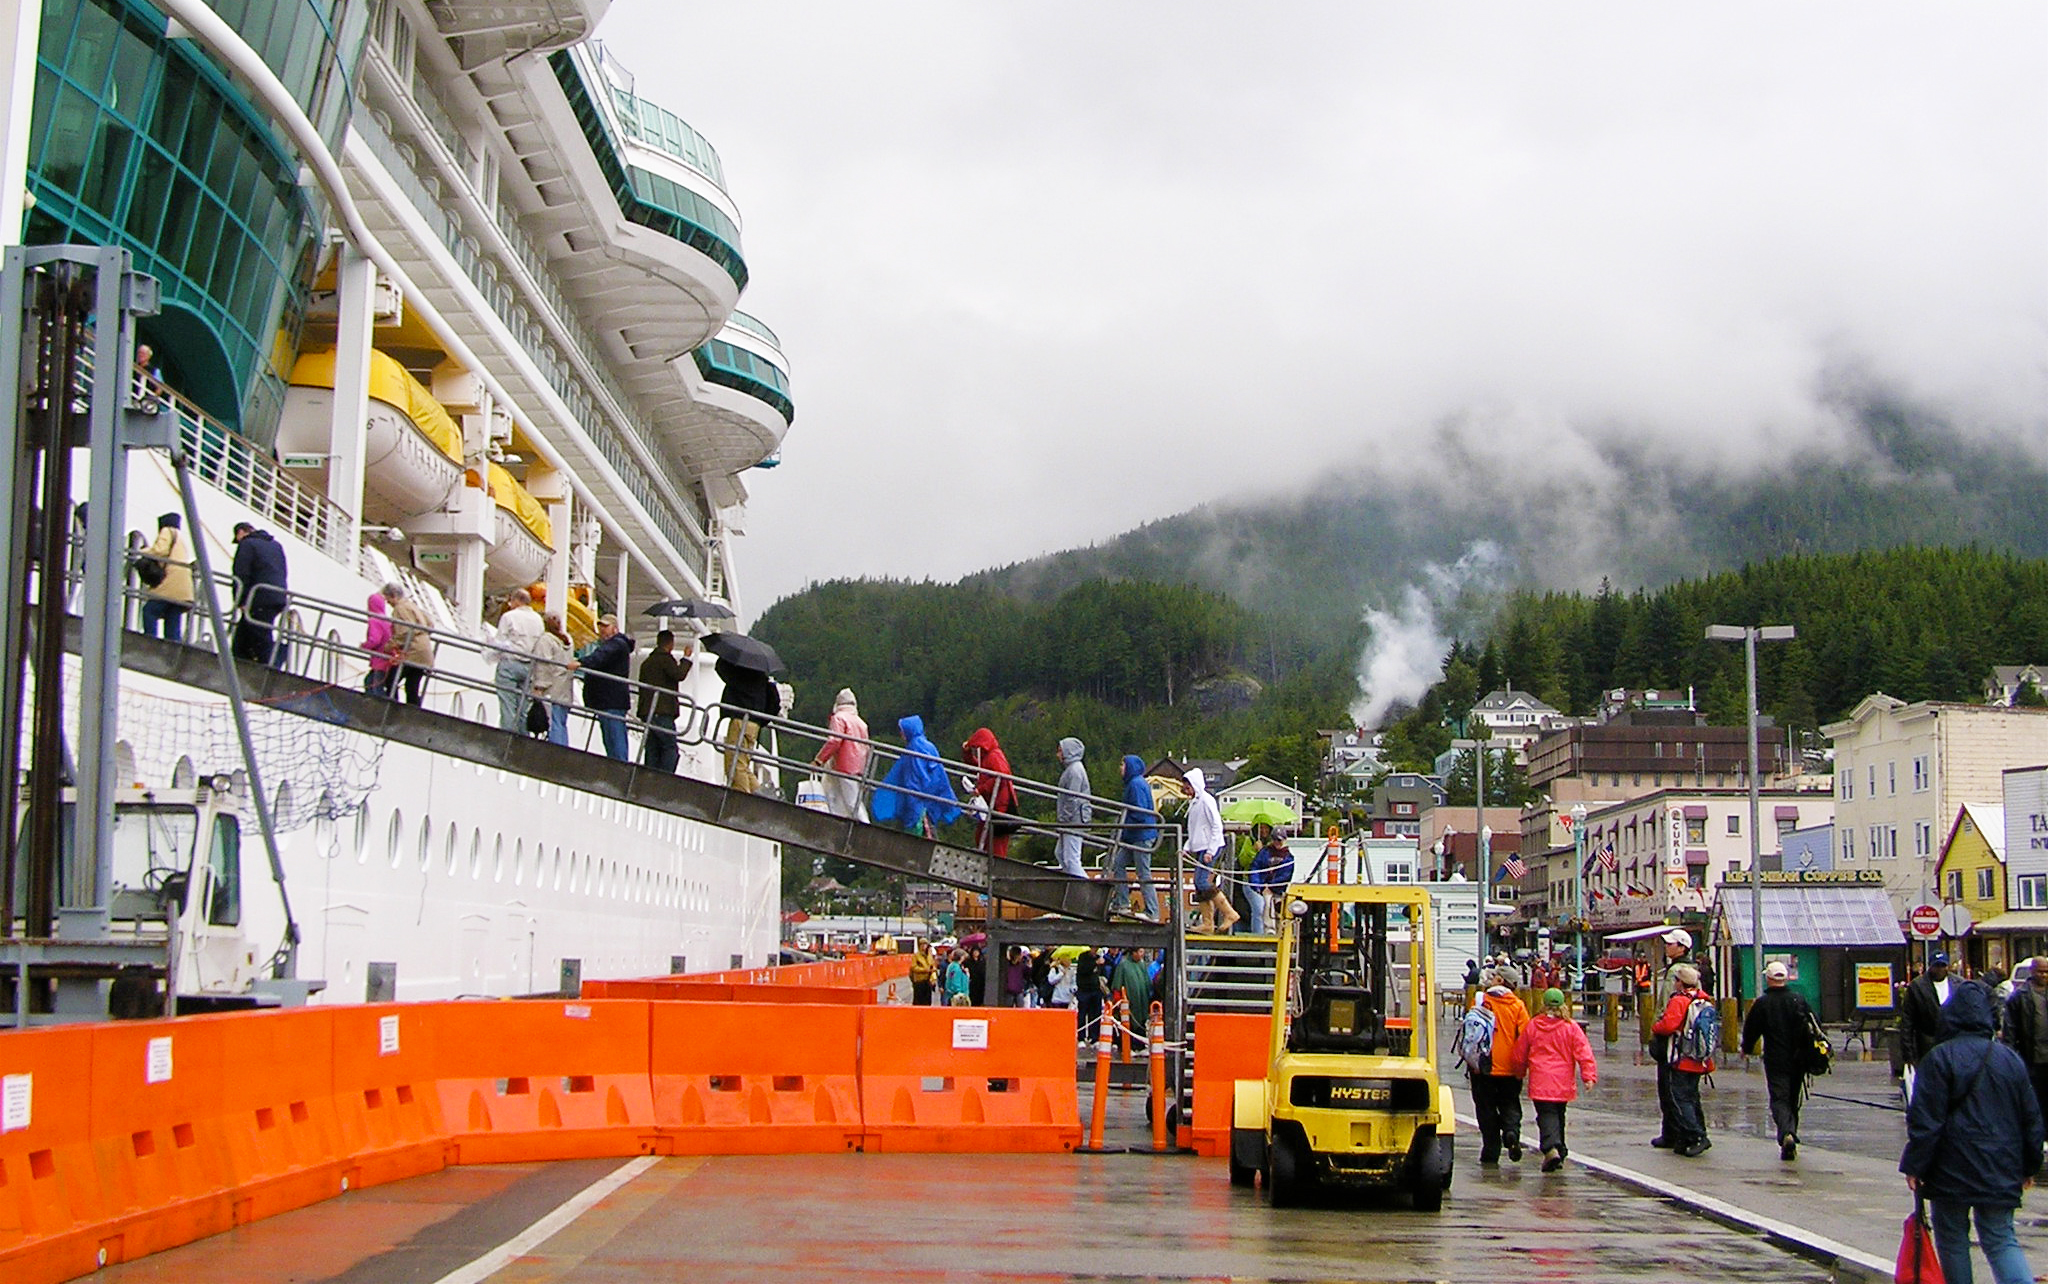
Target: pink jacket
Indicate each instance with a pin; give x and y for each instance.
(841, 753)
(1549, 1053)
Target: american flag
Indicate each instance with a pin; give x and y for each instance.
(1607, 859)
(1515, 868)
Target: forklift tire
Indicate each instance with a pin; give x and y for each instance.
(1433, 1176)
(1429, 1196)
(1285, 1180)
(1241, 1175)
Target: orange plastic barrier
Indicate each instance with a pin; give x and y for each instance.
(50, 1202)
(543, 1079)
(1228, 1046)
(724, 992)
(751, 1079)
(940, 1079)
(386, 1095)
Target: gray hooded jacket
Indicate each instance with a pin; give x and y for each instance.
(1073, 807)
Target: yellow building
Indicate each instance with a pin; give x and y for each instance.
(1971, 872)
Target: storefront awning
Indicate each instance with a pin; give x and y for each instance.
(1816, 915)
(2016, 921)
(1638, 933)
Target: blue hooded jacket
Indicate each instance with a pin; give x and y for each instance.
(1141, 811)
(916, 786)
(1973, 1132)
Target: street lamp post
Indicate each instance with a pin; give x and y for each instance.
(1485, 835)
(1579, 883)
(1749, 635)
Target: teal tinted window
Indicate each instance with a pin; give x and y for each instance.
(312, 46)
(736, 368)
(135, 144)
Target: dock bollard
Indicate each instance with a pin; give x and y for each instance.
(1613, 1028)
(1098, 1117)
(1157, 1071)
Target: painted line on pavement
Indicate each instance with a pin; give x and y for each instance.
(547, 1227)
(1733, 1214)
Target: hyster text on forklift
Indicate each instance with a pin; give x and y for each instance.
(1351, 1095)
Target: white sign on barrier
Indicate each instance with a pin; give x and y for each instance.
(387, 1035)
(970, 1033)
(17, 1092)
(157, 1069)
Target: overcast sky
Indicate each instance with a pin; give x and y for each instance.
(1049, 270)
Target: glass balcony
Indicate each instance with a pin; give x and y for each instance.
(730, 366)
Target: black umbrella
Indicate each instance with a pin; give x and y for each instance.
(746, 652)
(691, 608)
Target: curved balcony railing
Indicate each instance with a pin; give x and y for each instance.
(657, 127)
(650, 200)
(750, 325)
(730, 366)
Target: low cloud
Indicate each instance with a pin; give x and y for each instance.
(1407, 640)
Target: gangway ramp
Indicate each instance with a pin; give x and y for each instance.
(999, 878)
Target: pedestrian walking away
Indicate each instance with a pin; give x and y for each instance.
(1973, 1139)
(1487, 1041)
(845, 752)
(1140, 834)
(917, 793)
(1785, 1024)
(262, 587)
(165, 570)
(998, 809)
(748, 696)
(1073, 808)
(519, 630)
(1691, 1028)
(554, 684)
(1675, 944)
(1920, 1015)
(377, 643)
(2025, 1027)
(1554, 1056)
(411, 642)
(661, 676)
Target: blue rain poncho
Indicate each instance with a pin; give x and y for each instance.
(897, 801)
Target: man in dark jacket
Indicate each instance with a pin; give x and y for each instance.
(661, 675)
(260, 594)
(604, 662)
(748, 694)
(1973, 1138)
(1920, 1011)
(2025, 1027)
(1783, 1021)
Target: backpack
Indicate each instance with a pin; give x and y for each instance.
(150, 571)
(1475, 1039)
(1820, 1053)
(1700, 1037)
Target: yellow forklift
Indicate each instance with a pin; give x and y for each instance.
(1351, 1095)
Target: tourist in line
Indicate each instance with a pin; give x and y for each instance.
(998, 809)
(916, 794)
(1496, 1083)
(168, 560)
(1785, 1024)
(412, 644)
(1920, 1015)
(606, 663)
(1041, 977)
(1088, 978)
(661, 677)
(1134, 979)
(1213, 911)
(1140, 834)
(922, 968)
(958, 981)
(1686, 1130)
(1675, 943)
(845, 753)
(748, 696)
(1272, 871)
(519, 631)
(262, 588)
(1017, 992)
(377, 641)
(1554, 1055)
(554, 687)
(1973, 1140)
(1074, 807)
(2025, 1027)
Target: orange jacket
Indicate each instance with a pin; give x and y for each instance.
(1510, 1018)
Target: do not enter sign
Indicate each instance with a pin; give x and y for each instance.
(1925, 920)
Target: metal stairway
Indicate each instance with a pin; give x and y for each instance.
(1224, 974)
(691, 799)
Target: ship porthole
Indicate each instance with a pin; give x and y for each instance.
(394, 838)
(362, 833)
(448, 848)
(498, 865)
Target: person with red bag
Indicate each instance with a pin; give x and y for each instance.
(1973, 1141)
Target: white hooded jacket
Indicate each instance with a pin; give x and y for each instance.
(1205, 823)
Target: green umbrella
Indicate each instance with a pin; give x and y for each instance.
(1259, 811)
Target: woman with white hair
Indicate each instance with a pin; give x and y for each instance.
(845, 754)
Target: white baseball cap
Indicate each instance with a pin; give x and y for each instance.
(1678, 936)
(1776, 972)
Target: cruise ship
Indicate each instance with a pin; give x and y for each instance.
(448, 298)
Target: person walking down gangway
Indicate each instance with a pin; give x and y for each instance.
(1272, 871)
(991, 784)
(554, 685)
(1073, 809)
(411, 642)
(377, 643)
(1973, 1140)
(519, 631)
(262, 587)
(1553, 1055)
(1487, 1039)
(1786, 1025)
(662, 675)
(1213, 911)
(165, 569)
(1135, 841)
(917, 794)
(846, 753)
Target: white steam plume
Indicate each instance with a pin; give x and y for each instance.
(1405, 650)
